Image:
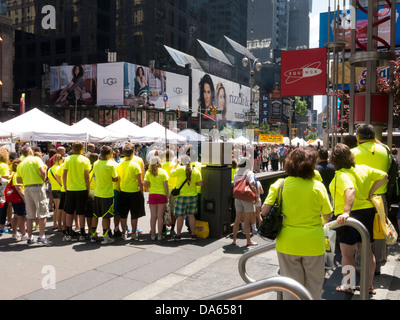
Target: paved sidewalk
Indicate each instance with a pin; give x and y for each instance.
(151, 270)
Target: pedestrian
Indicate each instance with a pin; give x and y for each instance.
(325, 169)
(56, 189)
(282, 156)
(32, 174)
(350, 140)
(186, 203)
(77, 186)
(274, 156)
(105, 173)
(264, 159)
(245, 209)
(19, 209)
(130, 188)
(300, 245)
(156, 181)
(167, 165)
(351, 188)
(4, 176)
(93, 221)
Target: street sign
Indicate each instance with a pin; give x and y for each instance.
(250, 114)
(165, 99)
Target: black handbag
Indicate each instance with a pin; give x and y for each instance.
(175, 192)
(272, 223)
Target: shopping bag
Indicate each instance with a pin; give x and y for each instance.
(330, 243)
(377, 228)
(388, 229)
(202, 229)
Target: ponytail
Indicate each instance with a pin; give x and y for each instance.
(188, 173)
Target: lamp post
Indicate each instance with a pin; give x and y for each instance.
(255, 66)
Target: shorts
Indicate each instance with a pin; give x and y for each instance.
(244, 206)
(155, 198)
(116, 212)
(19, 209)
(36, 202)
(103, 207)
(133, 202)
(62, 201)
(185, 205)
(349, 235)
(56, 194)
(75, 201)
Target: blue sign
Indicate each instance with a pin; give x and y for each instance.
(165, 99)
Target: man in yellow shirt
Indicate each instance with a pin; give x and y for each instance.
(130, 189)
(31, 173)
(77, 186)
(105, 173)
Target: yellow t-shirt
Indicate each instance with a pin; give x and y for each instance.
(302, 232)
(92, 180)
(180, 173)
(361, 178)
(76, 165)
(28, 170)
(15, 183)
(55, 185)
(59, 172)
(156, 183)
(104, 171)
(127, 171)
(4, 169)
(375, 156)
(317, 176)
(167, 166)
(139, 161)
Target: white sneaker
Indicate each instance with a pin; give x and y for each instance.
(153, 237)
(107, 240)
(134, 236)
(125, 236)
(16, 236)
(160, 237)
(67, 238)
(24, 238)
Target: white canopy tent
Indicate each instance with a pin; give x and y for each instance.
(97, 133)
(239, 140)
(315, 143)
(300, 141)
(36, 125)
(192, 135)
(156, 132)
(124, 126)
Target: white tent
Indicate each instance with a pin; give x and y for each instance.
(300, 141)
(286, 140)
(315, 143)
(36, 125)
(192, 135)
(126, 127)
(156, 132)
(97, 133)
(239, 140)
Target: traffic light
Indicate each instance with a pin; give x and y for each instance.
(179, 112)
(294, 130)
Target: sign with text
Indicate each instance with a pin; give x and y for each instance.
(303, 72)
(270, 138)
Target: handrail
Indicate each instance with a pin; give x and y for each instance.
(271, 284)
(365, 255)
(365, 252)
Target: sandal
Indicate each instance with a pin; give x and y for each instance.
(251, 244)
(341, 288)
(370, 290)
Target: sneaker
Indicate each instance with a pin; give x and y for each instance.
(160, 237)
(177, 237)
(153, 237)
(84, 237)
(67, 238)
(134, 236)
(107, 240)
(16, 236)
(24, 238)
(93, 238)
(30, 241)
(45, 241)
(193, 237)
(125, 236)
(117, 233)
(172, 233)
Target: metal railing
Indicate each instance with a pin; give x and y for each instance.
(365, 256)
(263, 286)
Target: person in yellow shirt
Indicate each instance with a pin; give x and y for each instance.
(31, 173)
(301, 242)
(55, 189)
(91, 218)
(156, 180)
(77, 186)
(4, 176)
(351, 189)
(105, 173)
(188, 179)
(130, 198)
(62, 226)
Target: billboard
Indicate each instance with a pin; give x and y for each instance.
(148, 86)
(70, 85)
(327, 22)
(110, 84)
(231, 99)
(303, 72)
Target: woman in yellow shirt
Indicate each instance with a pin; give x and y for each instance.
(351, 189)
(301, 243)
(56, 190)
(156, 180)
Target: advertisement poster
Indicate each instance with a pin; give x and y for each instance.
(148, 87)
(303, 72)
(110, 84)
(232, 100)
(70, 85)
(361, 26)
(276, 110)
(264, 108)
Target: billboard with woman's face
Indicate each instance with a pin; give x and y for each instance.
(231, 99)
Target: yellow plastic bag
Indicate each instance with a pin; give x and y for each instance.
(202, 229)
(389, 231)
(377, 228)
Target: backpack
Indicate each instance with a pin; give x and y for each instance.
(393, 186)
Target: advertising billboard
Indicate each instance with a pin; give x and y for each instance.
(110, 84)
(148, 86)
(231, 99)
(345, 17)
(303, 72)
(70, 85)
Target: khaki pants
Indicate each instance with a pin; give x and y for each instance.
(308, 271)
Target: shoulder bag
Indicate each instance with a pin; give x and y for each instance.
(242, 190)
(176, 191)
(11, 194)
(272, 223)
